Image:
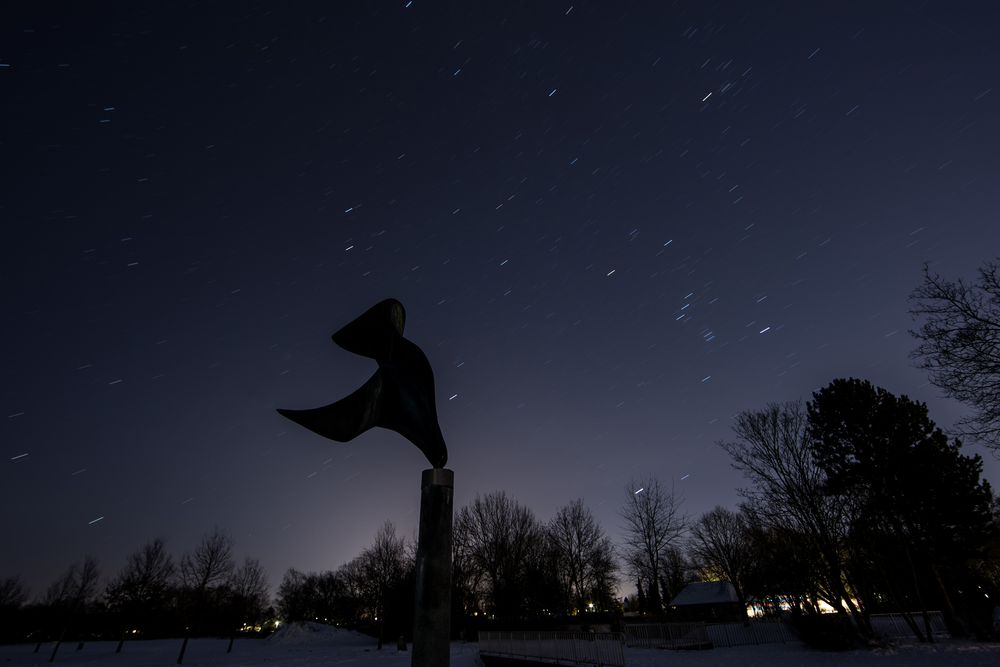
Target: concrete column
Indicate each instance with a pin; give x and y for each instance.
(432, 618)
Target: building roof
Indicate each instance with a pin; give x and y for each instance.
(706, 592)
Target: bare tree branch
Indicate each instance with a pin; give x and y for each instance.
(653, 524)
(959, 345)
(210, 564)
(583, 553)
(497, 537)
(772, 450)
(721, 547)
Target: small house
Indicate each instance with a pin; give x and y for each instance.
(709, 601)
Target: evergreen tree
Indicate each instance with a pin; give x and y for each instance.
(917, 494)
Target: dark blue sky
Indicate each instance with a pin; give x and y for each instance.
(613, 228)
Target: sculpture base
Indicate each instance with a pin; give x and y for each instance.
(432, 617)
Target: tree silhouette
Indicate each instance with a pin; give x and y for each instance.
(789, 496)
(142, 586)
(76, 587)
(140, 592)
(783, 566)
(69, 596)
(583, 555)
(499, 539)
(653, 524)
(294, 603)
(246, 596)
(204, 573)
(383, 567)
(12, 597)
(12, 593)
(908, 480)
(327, 596)
(960, 344)
(210, 564)
(722, 548)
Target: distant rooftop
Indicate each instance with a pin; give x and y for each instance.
(706, 592)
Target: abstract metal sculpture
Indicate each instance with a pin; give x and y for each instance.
(399, 396)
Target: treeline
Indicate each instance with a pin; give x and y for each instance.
(857, 504)
(373, 593)
(207, 592)
(509, 568)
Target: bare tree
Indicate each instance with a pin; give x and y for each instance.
(248, 588)
(498, 538)
(12, 593)
(204, 572)
(676, 574)
(352, 576)
(584, 556)
(69, 596)
(332, 596)
(12, 597)
(141, 589)
(468, 582)
(960, 344)
(294, 596)
(210, 564)
(782, 568)
(721, 547)
(60, 592)
(653, 524)
(772, 449)
(76, 587)
(144, 582)
(383, 566)
(247, 592)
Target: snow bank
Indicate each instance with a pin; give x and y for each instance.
(317, 633)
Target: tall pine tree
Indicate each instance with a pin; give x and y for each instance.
(920, 497)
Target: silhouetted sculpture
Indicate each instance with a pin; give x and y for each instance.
(399, 396)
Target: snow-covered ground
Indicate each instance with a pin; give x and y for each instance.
(945, 654)
(299, 645)
(319, 645)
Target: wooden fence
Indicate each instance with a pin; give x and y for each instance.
(751, 633)
(700, 635)
(666, 635)
(586, 649)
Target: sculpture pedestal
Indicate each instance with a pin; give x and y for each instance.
(432, 617)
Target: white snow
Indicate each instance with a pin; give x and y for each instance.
(943, 654)
(305, 645)
(297, 645)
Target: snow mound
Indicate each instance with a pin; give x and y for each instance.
(309, 632)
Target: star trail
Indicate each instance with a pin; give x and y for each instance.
(613, 227)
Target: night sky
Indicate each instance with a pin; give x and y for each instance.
(613, 226)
